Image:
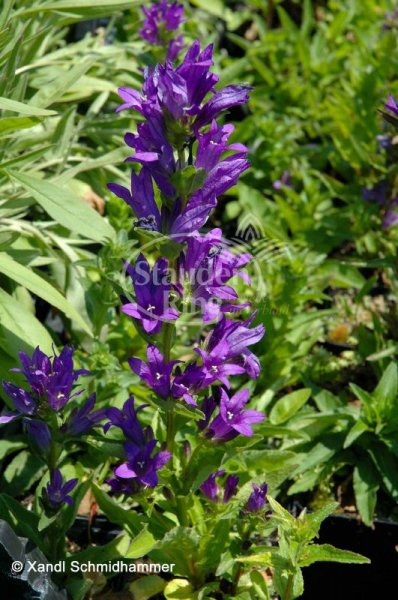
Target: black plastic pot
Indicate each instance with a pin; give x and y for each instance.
(334, 581)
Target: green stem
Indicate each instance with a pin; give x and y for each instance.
(171, 426)
(239, 572)
(289, 588)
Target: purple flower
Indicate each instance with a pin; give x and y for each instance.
(178, 93)
(205, 267)
(127, 420)
(140, 465)
(57, 492)
(216, 366)
(123, 486)
(377, 193)
(39, 433)
(186, 382)
(237, 336)
(232, 419)
(221, 174)
(163, 18)
(141, 199)
(156, 373)
(83, 419)
(391, 105)
(390, 218)
(283, 182)
(152, 291)
(50, 380)
(230, 488)
(257, 498)
(231, 95)
(213, 491)
(22, 400)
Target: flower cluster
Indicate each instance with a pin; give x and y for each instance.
(177, 121)
(51, 385)
(181, 148)
(141, 466)
(162, 19)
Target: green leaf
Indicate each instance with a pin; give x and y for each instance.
(386, 392)
(366, 486)
(115, 513)
(22, 472)
(342, 275)
(260, 586)
(387, 465)
(141, 544)
(280, 512)
(69, 512)
(24, 109)
(258, 460)
(20, 327)
(147, 587)
(327, 553)
(355, 432)
(11, 445)
(11, 124)
(288, 405)
(40, 287)
(45, 521)
(84, 8)
(179, 589)
(53, 91)
(180, 545)
(23, 522)
(315, 519)
(66, 208)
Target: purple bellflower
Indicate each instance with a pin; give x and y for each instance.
(140, 465)
(51, 386)
(156, 373)
(127, 420)
(377, 194)
(152, 293)
(284, 182)
(57, 492)
(390, 218)
(205, 267)
(257, 498)
(38, 432)
(214, 492)
(162, 19)
(232, 419)
(51, 379)
(236, 336)
(82, 420)
(174, 109)
(391, 105)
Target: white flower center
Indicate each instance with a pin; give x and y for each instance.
(214, 369)
(230, 415)
(150, 308)
(158, 376)
(141, 463)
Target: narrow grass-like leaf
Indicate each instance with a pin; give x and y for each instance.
(66, 208)
(40, 287)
